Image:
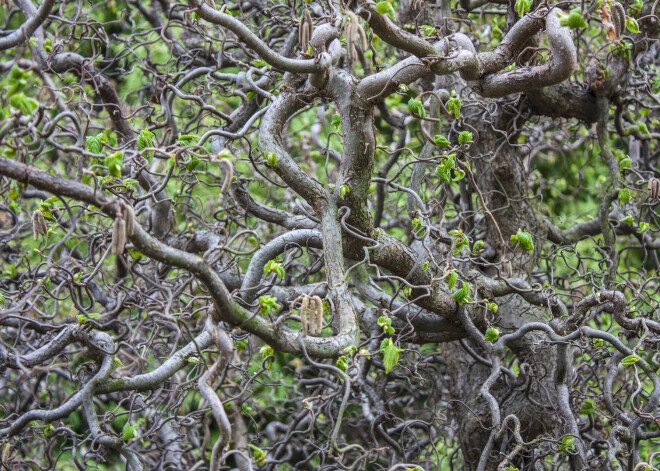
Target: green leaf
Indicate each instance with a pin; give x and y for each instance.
(427, 30)
(342, 363)
(630, 360)
(258, 454)
(641, 126)
(464, 137)
(524, 240)
(462, 295)
(478, 247)
(25, 104)
(188, 139)
(343, 191)
(118, 362)
(336, 122)
(643, 227)
(144, 140)
(415, 106)
(425, 266)
(115, 162)
(93, 144)
(573, 20)
(267, 303)
(625, 163)
(443, 170)
(192, 165)
(492, 334)
(49, 430)
(258, 63)
(441, 141)
(267, 351)
(625, 195)
(522, 7)
(493, 307)
(461, 241)
(390, 354)
(81, 318)
(632, 25)
(452, 278)
(588, 407)
(385, 8)
(194, 360)
(128, 432)
(567, 444)
(274, 266)
(386, 324)
(454, 106)
(628, 220)
(271, 158)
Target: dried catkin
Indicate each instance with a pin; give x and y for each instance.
(318, 307)
(305, 30)
(129, 218)
(39, 226)
(619, 18)
(312, 317)
(654, 188)
(303, 315)
(229, 174)
(118, 236)
(354, 31)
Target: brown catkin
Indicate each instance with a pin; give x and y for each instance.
(129, 218)
(363, 38)
(654, 188)
(39, 226)
(229, 174)
(312, 317)
(318, 307)
(118, 236)
(619, 17)
(303, 315)
(305, 30)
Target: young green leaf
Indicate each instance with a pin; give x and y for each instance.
(462, 295)
(492, 334)
(93, 144)
(336, 122)
(128, 432)
(441, 141)
(464, 137)
(522, 7)
(452, 278)
(144, 140)
(415, 106)
(386, 324)
(523, 240)
(343, 191)
(258, 454)
(632, 25)
(390, 354)
(267, 303)
(588, 407)
(630, 360)
(454, 106)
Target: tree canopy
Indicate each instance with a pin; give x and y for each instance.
(343, 234)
